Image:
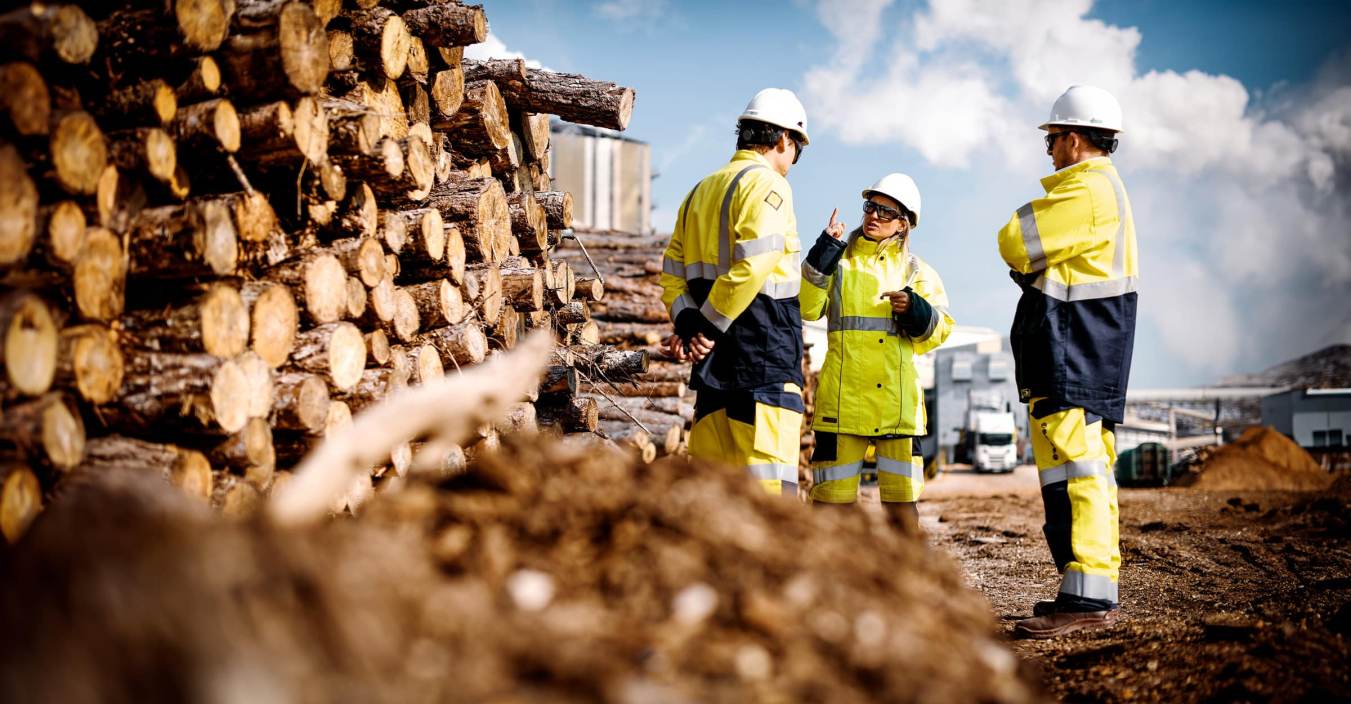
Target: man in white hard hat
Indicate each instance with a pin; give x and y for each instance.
(731, 279)
(1073, 254)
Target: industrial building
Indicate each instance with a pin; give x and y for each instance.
(973, 369)
(1314, 418)
(609, 176)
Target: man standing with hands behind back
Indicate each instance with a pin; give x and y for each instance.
(730, 279)
(1072, 252)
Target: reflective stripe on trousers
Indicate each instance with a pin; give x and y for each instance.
(837, 466)
(1075, 460)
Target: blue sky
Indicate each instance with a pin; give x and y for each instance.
(1236, 151)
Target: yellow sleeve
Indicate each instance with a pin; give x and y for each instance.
(930, 286)
(1049, 230)
(675, 289)
(761, 223)
(814, 296)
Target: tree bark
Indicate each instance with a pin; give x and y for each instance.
(300, 402)
(479, 209)
(571, 414)
(588, 288)
(148, 103)
(147, 150)
(196, 391)
(202, 82)
(217, 323)
(278, 51)
(381, 39)
(186, 469)
(481, 127)
(460, 345)
(528, 222)
(46, 430)
(184, 241)
(439, 303)
(572, 97)
(249, 452)
(448, 24)
(207, 126)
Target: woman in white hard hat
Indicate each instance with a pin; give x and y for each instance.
(884, 307)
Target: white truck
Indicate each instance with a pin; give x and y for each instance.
(991, 437)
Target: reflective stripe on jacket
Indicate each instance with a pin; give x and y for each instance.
(868, 384)
(1073, 253)
(734, 258)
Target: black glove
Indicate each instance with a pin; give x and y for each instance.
(915, 320)
(825, 255)
(691, 322)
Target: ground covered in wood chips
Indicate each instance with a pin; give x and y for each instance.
(1231, 596)
(547, 573)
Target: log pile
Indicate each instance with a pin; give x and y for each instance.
(228, 225)
(651, 412)
(632, 316)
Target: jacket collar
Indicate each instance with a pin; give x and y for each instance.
(1073, 170)
(863, 246)
(751, 155)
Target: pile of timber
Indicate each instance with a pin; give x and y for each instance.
(633, 317)
(650, 412)
(228, 225)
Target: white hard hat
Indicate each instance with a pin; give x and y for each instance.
(778, 107)
(900, 188)
(1086, 106)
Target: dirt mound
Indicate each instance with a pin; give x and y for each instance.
(1262, 459)
(546, 573)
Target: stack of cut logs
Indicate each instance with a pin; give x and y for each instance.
(650, 412)
(633, 317)
(228, 225)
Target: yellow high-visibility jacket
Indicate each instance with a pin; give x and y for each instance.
(868, 384)
(1073, 254)
(732, 272)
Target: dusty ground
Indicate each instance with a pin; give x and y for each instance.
(1228, 596)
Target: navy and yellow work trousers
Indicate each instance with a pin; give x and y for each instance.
(1076, 456)
(837, 465)
(759, 429)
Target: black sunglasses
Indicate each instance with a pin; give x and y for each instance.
(882, 212)
(1051, 137)
(798, 145)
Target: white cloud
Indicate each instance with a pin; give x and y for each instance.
(1241, 210)
(495, 48)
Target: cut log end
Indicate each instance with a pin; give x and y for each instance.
(30, 343)
(274, 321)
(20, 500)
(101, 276)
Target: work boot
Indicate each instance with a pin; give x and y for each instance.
(1043, 608)
(1063, 622)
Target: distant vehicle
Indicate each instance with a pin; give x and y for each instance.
(991, 440)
